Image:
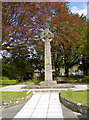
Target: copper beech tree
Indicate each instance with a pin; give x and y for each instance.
(22, 23)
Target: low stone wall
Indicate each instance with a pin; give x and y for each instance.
(14, 102)
(77, 107)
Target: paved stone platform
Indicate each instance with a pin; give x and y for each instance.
(59, 87)
(42, 105)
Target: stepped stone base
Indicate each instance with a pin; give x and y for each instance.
(48, 83)
(52, 86)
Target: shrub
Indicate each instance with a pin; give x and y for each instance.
(20, 78)
(8, 82)
(35, 80)
(79, 81)
(85, 79)
(5, 78)
(0, 77)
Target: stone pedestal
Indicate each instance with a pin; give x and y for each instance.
(46, 37)
(48, 83)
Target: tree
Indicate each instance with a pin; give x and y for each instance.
(67, 32)
(20, 68)
(23, 22)
(83, 48)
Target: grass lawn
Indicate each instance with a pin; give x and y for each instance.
(3, 86)
(11, 95)
(77, 96)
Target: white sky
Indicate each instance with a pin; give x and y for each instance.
(79, 7)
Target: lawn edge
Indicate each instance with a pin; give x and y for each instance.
(76, 107)
(15, 102)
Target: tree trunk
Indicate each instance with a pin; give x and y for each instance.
(56, 71)
(83, 61)
(59, 67)
(66, 66)
(87, 64)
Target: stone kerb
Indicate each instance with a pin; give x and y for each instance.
(76, 107)
(14, 102)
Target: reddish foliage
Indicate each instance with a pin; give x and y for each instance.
(24, 20)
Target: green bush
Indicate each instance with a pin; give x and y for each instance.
(20, 78)
(85, 79)
(35, 80)
(5, 78)
(8, 82)
(79, 81)
(0, 77)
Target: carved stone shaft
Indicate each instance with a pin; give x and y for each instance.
(48, 64)
(47, 37)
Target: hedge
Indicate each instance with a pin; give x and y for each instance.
(8, 82)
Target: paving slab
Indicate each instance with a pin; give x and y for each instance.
(47, 105)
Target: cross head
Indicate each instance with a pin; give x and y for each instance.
(47, 35)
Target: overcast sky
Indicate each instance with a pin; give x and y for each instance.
(79, 7)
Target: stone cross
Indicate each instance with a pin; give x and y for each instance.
(47, 37)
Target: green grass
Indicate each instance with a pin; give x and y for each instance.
(8, 82)
(77, 96)
(12, 95)
(3, 86)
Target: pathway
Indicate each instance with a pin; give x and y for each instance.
(42, 105)
(13, 88)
